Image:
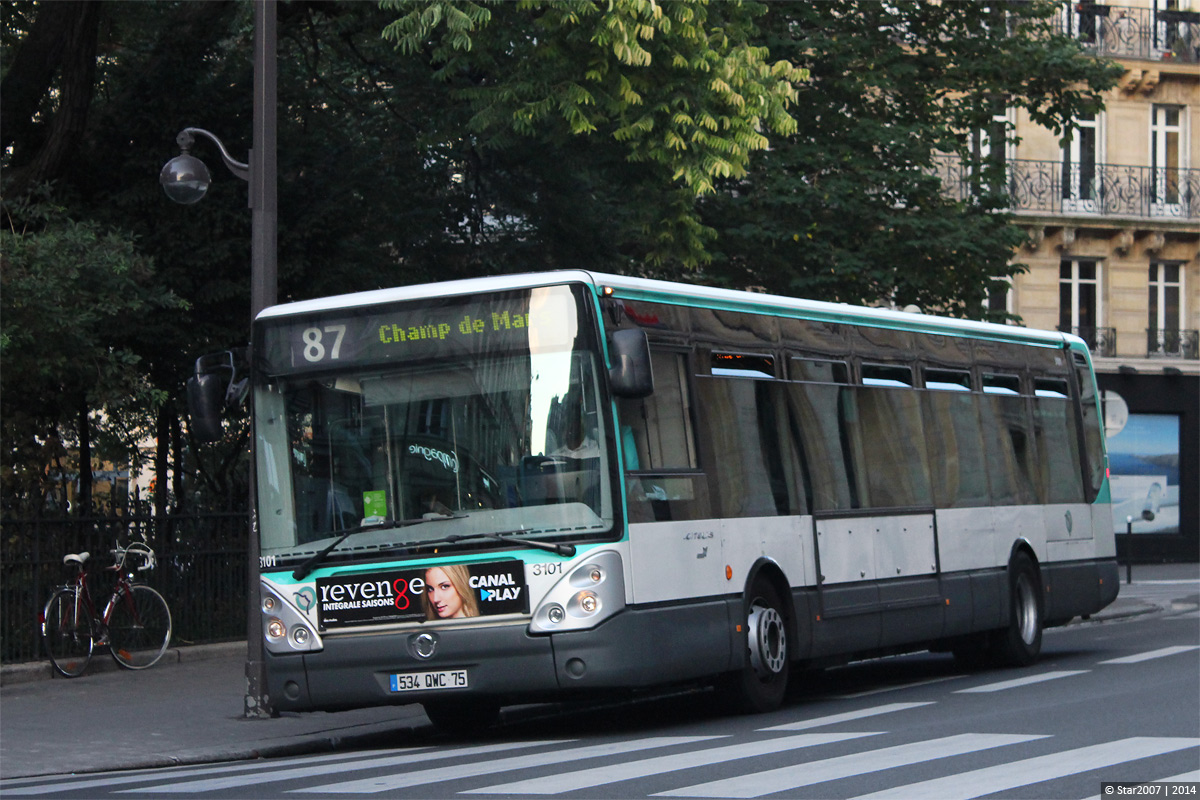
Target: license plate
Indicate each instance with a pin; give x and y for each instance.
(429, 681)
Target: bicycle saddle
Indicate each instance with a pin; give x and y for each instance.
(76, 558)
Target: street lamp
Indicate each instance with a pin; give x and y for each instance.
(185, 179)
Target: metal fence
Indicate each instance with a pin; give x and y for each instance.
(1082, 189)
(1159, 34)
(201, 572)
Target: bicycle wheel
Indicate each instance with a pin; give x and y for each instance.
(139, 627)
(67, 632)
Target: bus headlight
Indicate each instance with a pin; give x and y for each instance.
(584, 597)
(285, 627)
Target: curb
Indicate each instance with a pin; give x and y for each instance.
(32, 671)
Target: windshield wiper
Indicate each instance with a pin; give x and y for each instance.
(311, 562)
(566, 550)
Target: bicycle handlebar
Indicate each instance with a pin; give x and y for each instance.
(138, 548)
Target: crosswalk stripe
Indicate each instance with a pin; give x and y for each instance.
(847, 716)
(309, 771)
(798, 775)
(600, 776)
(1003, 777)
(1137, 658)
(1026, 681)
(124, 777)
(384, 783)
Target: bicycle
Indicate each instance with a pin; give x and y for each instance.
(135, 624)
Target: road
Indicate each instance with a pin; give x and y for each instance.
(1111, 702)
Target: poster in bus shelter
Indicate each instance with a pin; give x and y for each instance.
(1144, 468)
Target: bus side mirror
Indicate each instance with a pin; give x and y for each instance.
(206, 397)
(209, 391)
(630, 375)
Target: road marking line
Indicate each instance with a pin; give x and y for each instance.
(123, 777)
(1004, 777)
(1026, 681)
(1160, 653)
(600, 776)
(270, 776)
(830, 769)
(912, 685)
(834, 719)
(384, 783)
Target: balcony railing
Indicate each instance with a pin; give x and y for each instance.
(1100, 341)
(1101, 189)
(1173, 343)
(1121, 31)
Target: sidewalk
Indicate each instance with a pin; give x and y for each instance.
(188, 708)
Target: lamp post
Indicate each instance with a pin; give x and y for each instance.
(185, 180)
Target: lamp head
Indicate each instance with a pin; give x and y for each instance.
(185, 179)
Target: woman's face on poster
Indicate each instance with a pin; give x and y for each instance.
(443, 597)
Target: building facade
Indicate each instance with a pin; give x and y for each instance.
(1113, 217)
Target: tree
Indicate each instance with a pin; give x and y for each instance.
(849, 207)
(69, 292)
(676, 88)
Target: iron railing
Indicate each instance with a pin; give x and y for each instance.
(1173, 343)
(201, 572)
(1122, 31)
(1107, 190)
(1100, 341)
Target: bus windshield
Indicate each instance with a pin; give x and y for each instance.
(490, 423)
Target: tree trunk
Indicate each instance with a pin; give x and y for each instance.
(84, 498)
(162, 462)
(68, 41)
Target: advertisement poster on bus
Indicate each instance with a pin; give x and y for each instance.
(1144, 468)
(442, 592)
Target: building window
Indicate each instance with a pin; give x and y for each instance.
(999, 303)
(1165, 303)
(1166, 137)
(1080, 156)
(1079, 302)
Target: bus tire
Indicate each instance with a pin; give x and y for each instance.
(1019, 644)
(457, 718)
(761, 684)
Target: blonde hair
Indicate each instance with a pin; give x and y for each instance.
(459, 577)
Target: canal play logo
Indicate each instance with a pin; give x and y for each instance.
(497, 587)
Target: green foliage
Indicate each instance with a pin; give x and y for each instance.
(677, 87)
(69, 293)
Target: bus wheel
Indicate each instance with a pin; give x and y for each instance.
(1020, 643)
(462, 719)
(760, 685)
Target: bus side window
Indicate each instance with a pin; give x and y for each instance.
(1057, 442)
(659, 447)
(1093, 440)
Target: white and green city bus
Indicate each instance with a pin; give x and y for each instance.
(518, 488)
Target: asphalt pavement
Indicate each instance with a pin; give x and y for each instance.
(187, 709)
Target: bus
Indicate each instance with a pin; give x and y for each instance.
(522, 488)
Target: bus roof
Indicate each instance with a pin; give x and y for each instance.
(704, 296)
